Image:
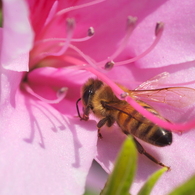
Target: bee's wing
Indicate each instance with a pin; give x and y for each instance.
(175, 96)
(154, 82)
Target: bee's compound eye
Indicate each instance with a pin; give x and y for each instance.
(87, 95)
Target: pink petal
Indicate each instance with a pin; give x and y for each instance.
(37, 9)
(42, 150)
(9, 84)
(17, 36)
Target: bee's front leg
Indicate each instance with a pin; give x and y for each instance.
(109, 120)
(86, 111)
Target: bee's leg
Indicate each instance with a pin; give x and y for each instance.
(77, 107)
(141, 150)
(86, 110)
(86, 113)
(109, 120)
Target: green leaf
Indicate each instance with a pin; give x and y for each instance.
(121, 178)
(188, 188)
(147, 187)
(90, 192)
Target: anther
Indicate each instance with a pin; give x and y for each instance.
(70, 23)
(63, 12)
(91, 31)
(62, 92)
(109, 65)
(158, 33)
(124, 95)
(159, 28)
(131, 21)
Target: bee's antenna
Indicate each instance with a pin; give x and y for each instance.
(78, 108)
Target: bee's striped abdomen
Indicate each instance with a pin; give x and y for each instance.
(132, 122)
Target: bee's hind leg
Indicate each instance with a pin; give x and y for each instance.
(109, 121)
(141, 150)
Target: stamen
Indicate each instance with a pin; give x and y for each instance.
(158, 32)
(90, 61)
(70, 23)
(63, 12)
(60, 94)
(131, 21)
(84, 56)
(70, 27)
(90, 34)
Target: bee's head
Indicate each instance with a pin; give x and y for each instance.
(89, 90)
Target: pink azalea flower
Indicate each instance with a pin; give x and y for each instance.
(45, 148)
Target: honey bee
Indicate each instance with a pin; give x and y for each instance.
(99, 98)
